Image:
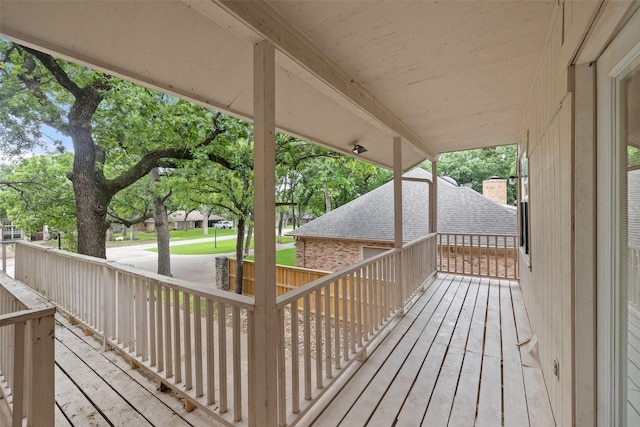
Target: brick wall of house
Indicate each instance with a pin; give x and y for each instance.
(331, 254)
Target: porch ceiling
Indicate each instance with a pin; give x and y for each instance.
(445, 76)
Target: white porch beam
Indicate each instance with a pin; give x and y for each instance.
(261, 17)
(264, 355)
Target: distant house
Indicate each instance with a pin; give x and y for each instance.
(364, 227)
(181, 220)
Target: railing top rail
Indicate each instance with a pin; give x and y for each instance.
(196, 289)
(26, 297)
(419, 240)
(85, 258)
(203, 291)
(25, 315)
(445, 233)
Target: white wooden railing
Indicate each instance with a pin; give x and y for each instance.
(490, 255)
(323, 326)
(26, 356)
(328, 323)
(200, 352)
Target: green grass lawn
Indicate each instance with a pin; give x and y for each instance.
(207, 248)
(284, 257)
(195, 233)
(174, 236)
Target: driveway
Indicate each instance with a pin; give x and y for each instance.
(194, 268)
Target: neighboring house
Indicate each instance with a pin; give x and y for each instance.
(10, 231)
(194, 219)
(364, 227)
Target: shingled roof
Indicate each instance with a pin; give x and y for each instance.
(370, 217)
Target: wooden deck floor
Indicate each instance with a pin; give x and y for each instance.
(96, 388)
(453, 359)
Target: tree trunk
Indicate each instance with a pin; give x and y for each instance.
(162, 229)
(91, 193)
(327, 199)
(205, 222)
(239, 256)
(247, 242)
(280, 227)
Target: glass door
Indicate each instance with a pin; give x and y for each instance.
(618, 228)
(629, 242)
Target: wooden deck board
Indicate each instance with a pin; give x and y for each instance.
(378, 387)
(105, 399)
(456, 363)
(131, 392)
(96, 388)
(465, 403)
(352, 390)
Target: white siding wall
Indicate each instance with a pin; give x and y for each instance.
(548, 282)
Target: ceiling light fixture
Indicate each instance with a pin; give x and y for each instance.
(358, 149)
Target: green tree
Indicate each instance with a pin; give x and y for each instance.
(223, 187)
(36, 192)
(474, 166)
(108, 120)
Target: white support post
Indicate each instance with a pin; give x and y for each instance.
(433, 198)
(264, 354)
(42, 381)
(433, 207)
(397, 212)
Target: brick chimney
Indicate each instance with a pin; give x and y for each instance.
(495, 189)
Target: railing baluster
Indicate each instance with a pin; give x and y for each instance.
(159, 326)
(327, 329)
(336, 322)
(168, 354)
(222, 356)
(18, 373)
(318, 337)
(306, 332)
(152, 323)
(188, 364)
(210, 349)
(237, 367)
(177, 357)
(345, 330)
(197, 332)
(282, 388)
(295, 372)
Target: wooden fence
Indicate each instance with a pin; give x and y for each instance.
(287, 278)
(26, 356)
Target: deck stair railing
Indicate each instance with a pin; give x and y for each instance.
(486, 255)
(26, 356)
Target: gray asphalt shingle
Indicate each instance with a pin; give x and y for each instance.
(370, 217)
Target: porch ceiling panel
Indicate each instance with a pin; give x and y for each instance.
(444, 75)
